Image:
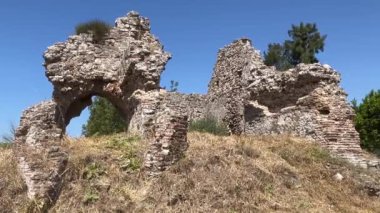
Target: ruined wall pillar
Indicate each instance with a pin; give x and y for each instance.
(38, 147)
(169, 142)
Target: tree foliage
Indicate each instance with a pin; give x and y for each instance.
(277, 56)
(367, 121)
(305, 42)
(98, 29)
(104, 119)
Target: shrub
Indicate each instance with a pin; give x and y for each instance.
(210, 125)
(130, 159)
(98, 29)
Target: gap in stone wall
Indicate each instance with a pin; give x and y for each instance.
(74, 129)
(75, 126)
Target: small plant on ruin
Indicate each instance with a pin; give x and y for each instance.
(173, 86)
(209, 124)
(98, 29)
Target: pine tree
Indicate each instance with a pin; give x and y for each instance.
(306, 41)
(277, 56)
(104, 119)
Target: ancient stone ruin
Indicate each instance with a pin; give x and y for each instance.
(249, 96)
(305, 101)
(123, 70)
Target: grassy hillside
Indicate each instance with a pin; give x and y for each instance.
(218, 174)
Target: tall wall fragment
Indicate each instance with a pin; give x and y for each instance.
(38, 149)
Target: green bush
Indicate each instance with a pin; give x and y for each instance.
(98, 29)
(367, 121)
(210, 125)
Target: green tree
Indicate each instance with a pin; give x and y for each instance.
(354, 105)
(277, 56)
(367, 121)
(305, 42)
(104, 119)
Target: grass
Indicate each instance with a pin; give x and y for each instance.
(218, 174)
(209, 125)
(7, 139)
(5, 145)
(12, 187)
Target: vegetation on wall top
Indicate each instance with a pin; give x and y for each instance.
(98, 29)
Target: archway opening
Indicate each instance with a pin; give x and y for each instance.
(94, 116)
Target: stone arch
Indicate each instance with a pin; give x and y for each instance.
(76, 108)
(125, 69)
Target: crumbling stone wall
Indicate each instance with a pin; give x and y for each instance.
(305, 101)
(125, 68)
(193, 106)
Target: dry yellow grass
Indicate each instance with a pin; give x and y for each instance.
(12, 187)
(218, 174)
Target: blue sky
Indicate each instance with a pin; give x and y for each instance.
(192, 31)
